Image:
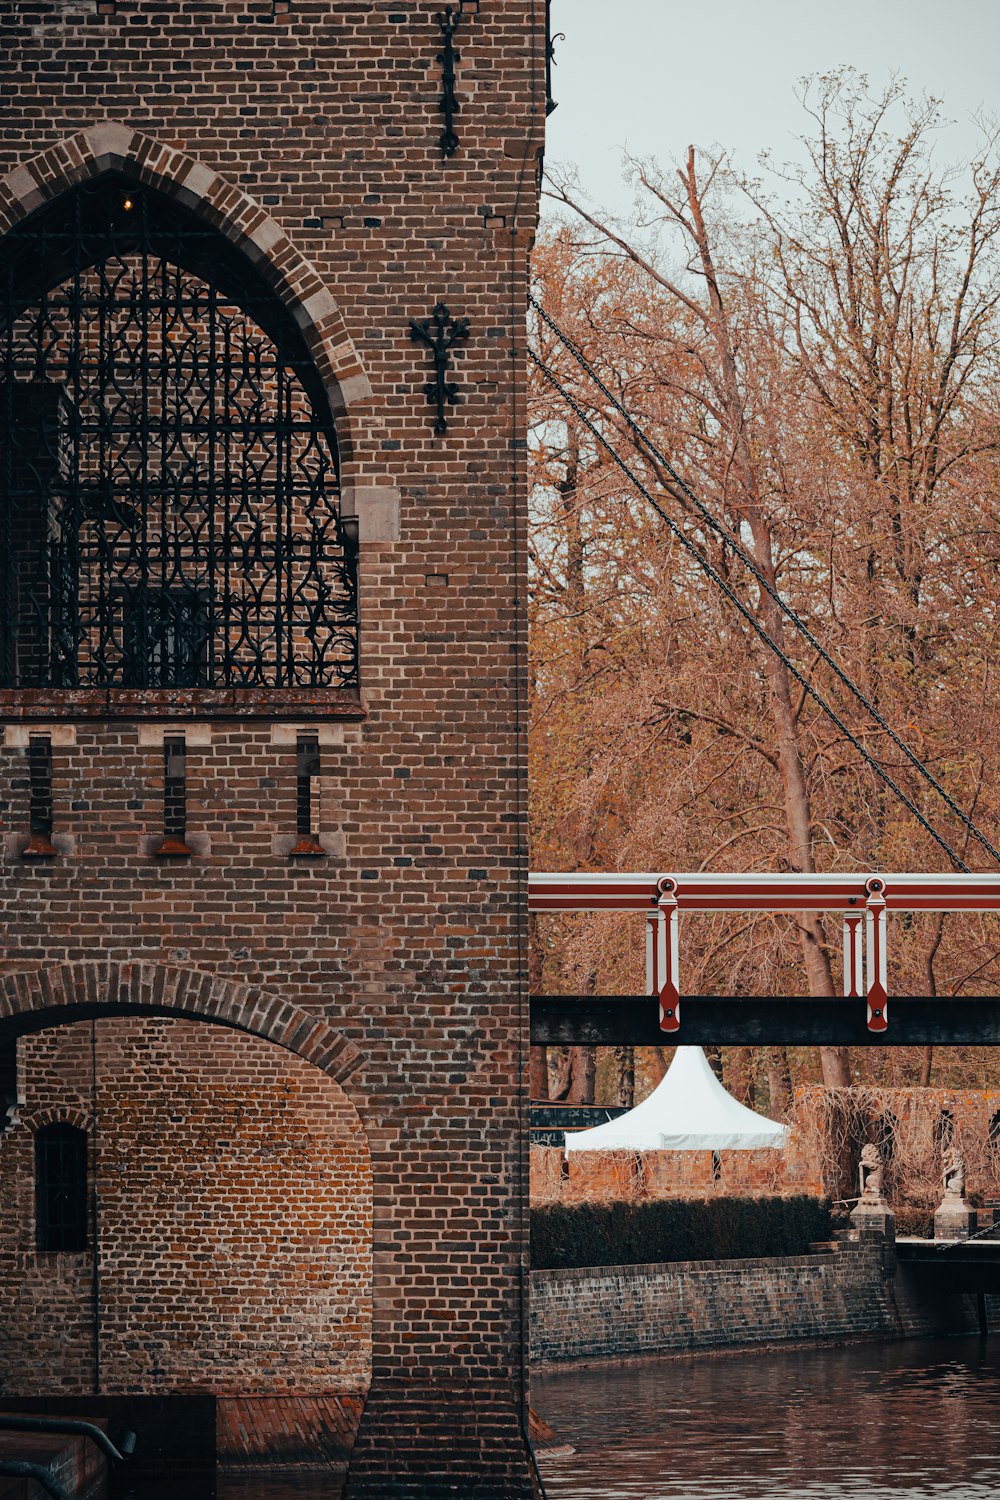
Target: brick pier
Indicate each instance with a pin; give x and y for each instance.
(374, 993)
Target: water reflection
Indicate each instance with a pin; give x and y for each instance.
(297, 1484)
(892, 1422)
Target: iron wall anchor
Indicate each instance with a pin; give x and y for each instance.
(448, 21)
(440, 332)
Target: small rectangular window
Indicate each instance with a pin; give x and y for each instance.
(61, 1188)
(39, 845)
(307, 769)
(165, 635)
(174, 841)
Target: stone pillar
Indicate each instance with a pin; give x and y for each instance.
(872, 1217)
(954, 1219)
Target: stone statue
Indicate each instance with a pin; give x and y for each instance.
(870, 1174)
(955, 1219)
(871, 1215)
(953, 1173)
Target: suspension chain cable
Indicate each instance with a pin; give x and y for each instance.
(711, 573)
(750, 562)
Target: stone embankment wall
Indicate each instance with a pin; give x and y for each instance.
(615, 1312)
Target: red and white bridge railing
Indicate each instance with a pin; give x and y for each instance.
(863, 901)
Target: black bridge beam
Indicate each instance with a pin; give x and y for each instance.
(797, 1021)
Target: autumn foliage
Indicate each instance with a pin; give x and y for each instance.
(815, 353)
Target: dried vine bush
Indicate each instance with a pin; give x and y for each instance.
(609, 1177)
(636, 1176)
(910, 1128)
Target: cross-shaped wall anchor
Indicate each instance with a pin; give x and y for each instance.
(439, 332)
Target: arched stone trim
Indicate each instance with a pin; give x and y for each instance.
(112, 146)
(74, 992)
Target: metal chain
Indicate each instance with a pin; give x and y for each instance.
(720, 583)
(746, 558)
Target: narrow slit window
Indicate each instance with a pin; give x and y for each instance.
(61, 1188)
(39, 845)
(174, 841)
(307, 769)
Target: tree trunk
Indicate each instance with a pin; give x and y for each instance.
(798, 818)
(539, 1073)
(779, 1082)
(659, 1064)
(539, 1063)
(583, 1060)
(625, 1076)
(582, 1075)
(739, 1074)
(561, 1073)
(927, 1060)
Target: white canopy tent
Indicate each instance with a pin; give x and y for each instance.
(689, 1110)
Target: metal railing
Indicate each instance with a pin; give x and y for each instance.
(65, 1426)
(863, 902)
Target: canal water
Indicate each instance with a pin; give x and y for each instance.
(904, 1421)
(916, 1420)
(301, 1485)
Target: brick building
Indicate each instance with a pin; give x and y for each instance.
(262, 994)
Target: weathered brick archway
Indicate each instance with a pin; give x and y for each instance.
(250, 1132)
(38, 999)
(115, 147)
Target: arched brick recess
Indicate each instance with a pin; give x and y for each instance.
(34, 1000)
(36, 1120)
(115, 147)
(232, 1175)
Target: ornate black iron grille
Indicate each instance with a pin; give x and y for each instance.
(61, 1188)
(169, 493)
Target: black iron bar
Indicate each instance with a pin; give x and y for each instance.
(440, 332)
(448, 20)
(633, 1020)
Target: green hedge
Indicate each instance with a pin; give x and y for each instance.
(630, 1234)
(914, 1220)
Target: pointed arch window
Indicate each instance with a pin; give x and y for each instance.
(169, 472)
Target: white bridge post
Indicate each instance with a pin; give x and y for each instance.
(662, 955)
(877, 974)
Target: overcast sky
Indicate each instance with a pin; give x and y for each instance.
(655, 75)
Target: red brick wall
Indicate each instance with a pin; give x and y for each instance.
(408, 937)
(233, 1227)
